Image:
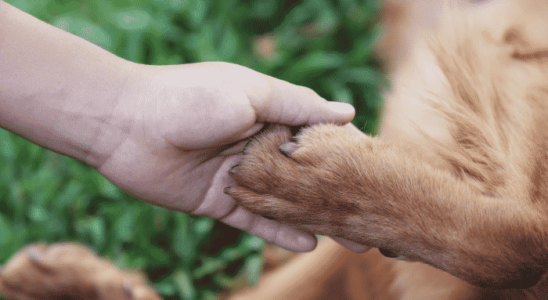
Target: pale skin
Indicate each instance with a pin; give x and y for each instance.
(167, 135)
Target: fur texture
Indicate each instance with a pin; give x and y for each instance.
(455, 181)
(457, 178)
(68, 271)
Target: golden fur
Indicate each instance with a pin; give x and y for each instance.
(457, 178)
(68, 271)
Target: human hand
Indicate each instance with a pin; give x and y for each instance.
(177, 130)
(162, 134)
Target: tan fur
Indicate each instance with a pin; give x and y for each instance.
(330, 272)
(455, 181)
(458, 177)
(68, 271)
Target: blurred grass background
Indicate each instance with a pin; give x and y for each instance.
(323, 44)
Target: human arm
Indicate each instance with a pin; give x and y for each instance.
(160, 133)
(56, 90)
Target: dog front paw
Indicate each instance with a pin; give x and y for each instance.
(302, 181)
(68, 271)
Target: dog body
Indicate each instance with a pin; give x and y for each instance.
(68, 271)
(455, 186)
(457, 178)
(498, 41)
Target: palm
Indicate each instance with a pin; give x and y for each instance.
(177, 131)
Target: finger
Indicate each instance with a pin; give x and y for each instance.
(216, 204)
(251, 131)
(353, 128)
(236, 149)
(282, 235)
(290, 104)
(351, 245)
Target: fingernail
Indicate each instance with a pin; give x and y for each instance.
(351, 245)
(342, 108)
(34, 254)
(128, 289)
(232, 169)
(305, 244)
(227, 190)
(294, 240)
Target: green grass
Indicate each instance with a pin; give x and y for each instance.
(325, 45)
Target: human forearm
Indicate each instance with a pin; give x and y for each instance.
(164, 134)
(56, 89)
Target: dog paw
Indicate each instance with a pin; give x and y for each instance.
(68, 271)
(300, 181)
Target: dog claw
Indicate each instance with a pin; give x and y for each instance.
(388, 253)
(247, 145)
(232, 169)
(288, 148)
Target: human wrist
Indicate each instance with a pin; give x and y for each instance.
(56, 90)
(114, 115)
(68, 119)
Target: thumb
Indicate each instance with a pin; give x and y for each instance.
(294, 105)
